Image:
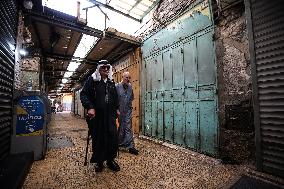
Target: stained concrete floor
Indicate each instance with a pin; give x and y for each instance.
(158, 166)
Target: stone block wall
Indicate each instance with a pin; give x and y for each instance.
(26, 68)
(30, 70)
(234, 77)
(235, 86)
(17, 69)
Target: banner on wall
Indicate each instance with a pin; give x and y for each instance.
(30, 116)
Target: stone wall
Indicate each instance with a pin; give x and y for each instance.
(26, 68)
(17, 69)
(30, 68)
(235, 86)
(234, 77)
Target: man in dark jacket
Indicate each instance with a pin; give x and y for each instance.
(100, 98)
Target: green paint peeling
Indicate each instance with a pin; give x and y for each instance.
(180, 99)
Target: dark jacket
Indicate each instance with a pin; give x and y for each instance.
(88, 94)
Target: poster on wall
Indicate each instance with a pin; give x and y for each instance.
(30, 116)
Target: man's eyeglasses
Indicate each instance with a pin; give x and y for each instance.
(105, 67)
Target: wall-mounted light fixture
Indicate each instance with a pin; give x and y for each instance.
(23, 52)
(12, 47)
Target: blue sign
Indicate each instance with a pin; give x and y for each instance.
(30, 116)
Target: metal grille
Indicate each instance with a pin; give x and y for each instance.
(8, 29)
(268, 33)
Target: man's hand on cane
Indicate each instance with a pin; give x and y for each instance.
(91, 113)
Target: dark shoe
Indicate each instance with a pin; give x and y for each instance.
(99, 167)
(133, 151)
(112, 165)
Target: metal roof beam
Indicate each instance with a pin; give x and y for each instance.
(71, 58)
(65, 24)
(97, 3)
(47, 71)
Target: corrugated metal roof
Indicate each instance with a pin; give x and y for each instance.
(67, 44)
(136, 8)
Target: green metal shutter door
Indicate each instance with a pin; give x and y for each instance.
(268, 78)
(180, 99)
(8, 29)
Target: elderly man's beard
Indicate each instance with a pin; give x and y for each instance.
(104, 74)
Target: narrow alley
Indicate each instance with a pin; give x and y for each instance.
(157, 166)
(177, 94)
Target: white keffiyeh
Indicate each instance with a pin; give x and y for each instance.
(97, 76)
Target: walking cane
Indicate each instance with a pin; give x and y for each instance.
(86, 155)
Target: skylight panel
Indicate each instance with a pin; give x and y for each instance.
(86, 43)
(142, 7)
(73, 66)
(147, 2)
(137, 12)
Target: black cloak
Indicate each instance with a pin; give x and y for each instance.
(101, 96)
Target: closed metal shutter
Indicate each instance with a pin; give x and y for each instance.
(267, 50)
(179, 102)
(8, 31)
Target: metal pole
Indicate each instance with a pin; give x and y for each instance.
(87, 147)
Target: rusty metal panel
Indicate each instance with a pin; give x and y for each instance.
(180, 74)
(148, 119)
(168, 73)
(266, 34)
(177, 61)
(208, 123)
(149, 71)
(154, 120)
(160, 119)
(206, 64)
(179, 125)
(159, 73)
(168, 123)
(154, 72)
(191, 127)
(208, 130)
(191, 95)
(190, 68)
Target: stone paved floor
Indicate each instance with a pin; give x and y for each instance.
(156, 167)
